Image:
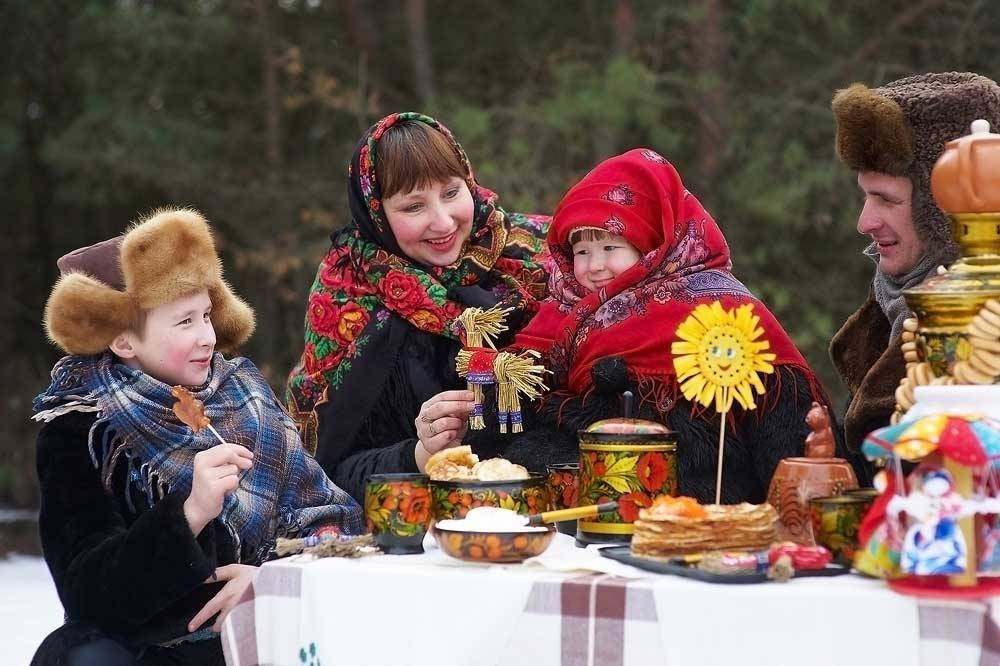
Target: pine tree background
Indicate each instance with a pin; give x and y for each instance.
(249, 111)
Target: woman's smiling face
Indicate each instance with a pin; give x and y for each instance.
(432, 223)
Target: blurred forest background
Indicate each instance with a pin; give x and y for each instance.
(249, 110)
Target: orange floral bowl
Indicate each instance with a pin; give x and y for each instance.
(454, 499)
(496, 547)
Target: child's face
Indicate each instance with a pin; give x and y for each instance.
(177, 342)
(598, 262)
(431, 224)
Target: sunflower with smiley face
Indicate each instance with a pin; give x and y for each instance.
(719, 356)
(717, 360)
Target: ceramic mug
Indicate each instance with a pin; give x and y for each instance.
(867, 494)
(564, 487)
(835, 522)
(398, 511)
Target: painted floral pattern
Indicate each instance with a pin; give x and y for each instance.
(634, 478)
(564, 485)
(836, 527)
(943, 350)
(402, 508)
(522, 497)
(513, 547)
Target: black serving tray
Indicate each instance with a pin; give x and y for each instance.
(624, 555)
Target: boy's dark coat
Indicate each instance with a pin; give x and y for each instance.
(139, 578)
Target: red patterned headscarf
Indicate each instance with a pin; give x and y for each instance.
(368, 295)
(685, 262)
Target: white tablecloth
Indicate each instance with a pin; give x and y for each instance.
(430, 609)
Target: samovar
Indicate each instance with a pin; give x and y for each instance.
(954, 337)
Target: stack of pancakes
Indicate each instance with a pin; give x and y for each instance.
(661, 532)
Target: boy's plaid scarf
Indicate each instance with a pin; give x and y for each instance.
(285, 493)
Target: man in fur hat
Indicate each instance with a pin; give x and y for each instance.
(892, 136)
(151, 529)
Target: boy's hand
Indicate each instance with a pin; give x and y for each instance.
(239, 576)
(442, 422)
(216, 474)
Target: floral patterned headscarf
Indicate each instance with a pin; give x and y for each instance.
(368, 294)
(684, 262)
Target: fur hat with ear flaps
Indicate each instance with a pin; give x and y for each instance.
(104, 287)
(900, 129)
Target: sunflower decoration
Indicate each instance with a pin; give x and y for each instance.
(718, 359)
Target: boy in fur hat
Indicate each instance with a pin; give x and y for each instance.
(151, 530)
(892, 136)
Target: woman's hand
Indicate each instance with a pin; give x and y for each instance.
(442, 422)
(239, 577)
(216, 474)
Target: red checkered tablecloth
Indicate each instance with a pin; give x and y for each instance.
(428, 609)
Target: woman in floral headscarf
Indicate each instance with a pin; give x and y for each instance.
(605, 331)
(375, 389)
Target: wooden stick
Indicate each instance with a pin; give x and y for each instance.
(718, 473)
(216, 433)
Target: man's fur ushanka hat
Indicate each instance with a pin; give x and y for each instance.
(900, 129)
(105, 287)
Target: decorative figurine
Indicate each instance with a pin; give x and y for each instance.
(819, 442)
(946, 502)
(933, 544)
(515, 374)
(796, 481)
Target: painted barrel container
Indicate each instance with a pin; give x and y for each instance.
(631, 461)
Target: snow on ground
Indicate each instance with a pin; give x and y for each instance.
(29, 607)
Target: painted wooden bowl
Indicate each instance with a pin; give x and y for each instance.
(497, 547)
(454, 499)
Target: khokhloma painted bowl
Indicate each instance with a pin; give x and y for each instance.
(454, 499)
(495, 547)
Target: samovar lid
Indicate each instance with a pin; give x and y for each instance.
(964, 179)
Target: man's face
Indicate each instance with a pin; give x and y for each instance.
(887, 216)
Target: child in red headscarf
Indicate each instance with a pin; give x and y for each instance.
(636, 253)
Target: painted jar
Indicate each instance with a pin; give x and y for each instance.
(630, 461)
